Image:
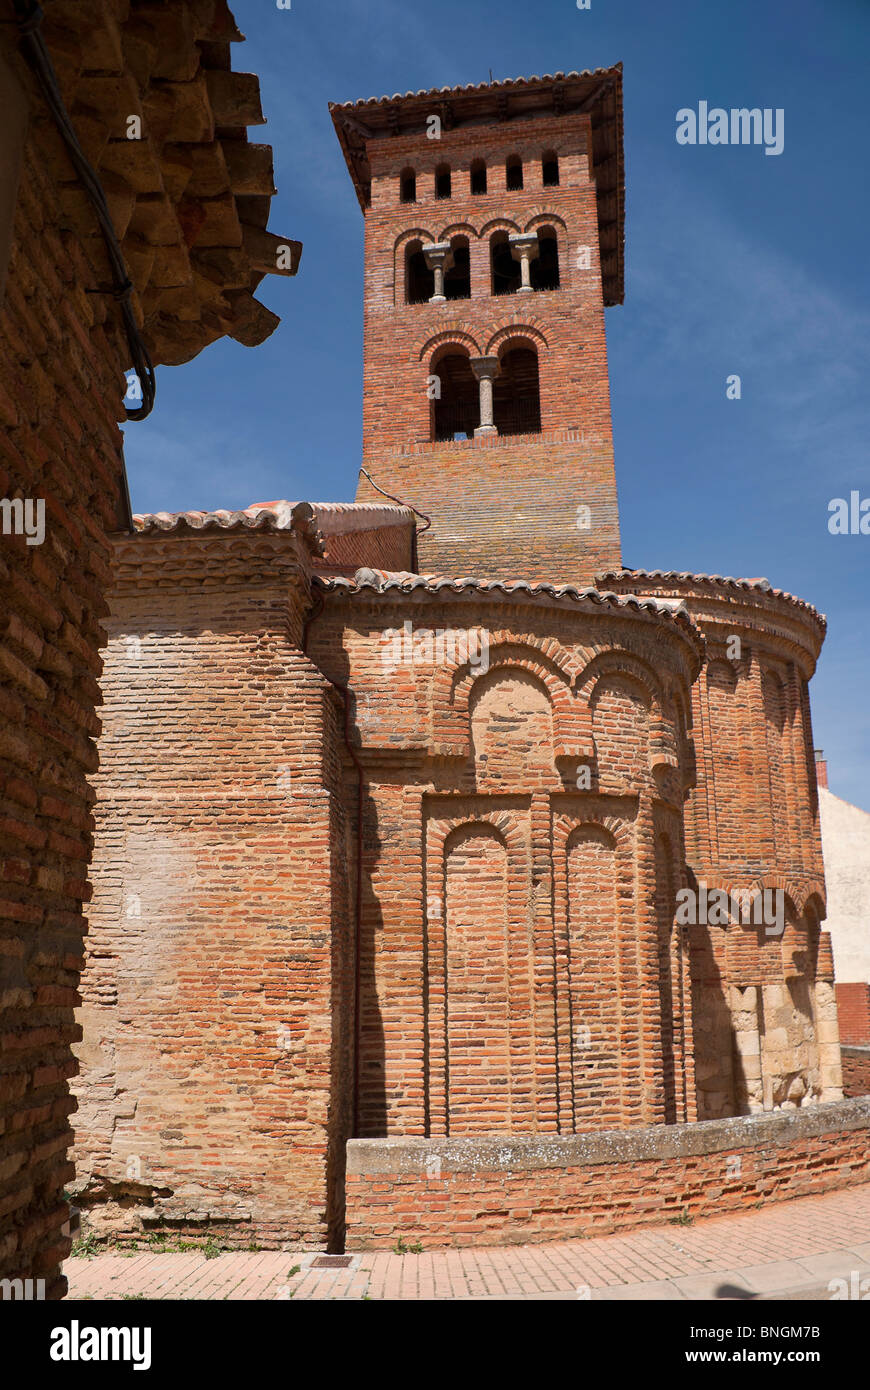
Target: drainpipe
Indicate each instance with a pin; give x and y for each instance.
(343, 691)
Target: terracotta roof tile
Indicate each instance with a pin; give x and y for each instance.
(278, 516)
(759, 586)
(402, 583)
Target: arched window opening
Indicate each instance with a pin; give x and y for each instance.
(408, 186)
(456, 414)
(443, 183)
(506, 272)
(457, 280)
(419, 279)
(516, 392)
(478, 177)
(514, 170)
(545, 267)
(550, 169)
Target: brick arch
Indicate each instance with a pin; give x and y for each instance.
(563, 240)
(474, 942)
(500, 224)
(816, 900)
(619, 661)
(459, 229)
(503, 823)
(566, 823)
(546, 219)
(582, 827)
(412, 234)
(797, 892)
(453, 686)
(662, 751)
(457, 334)
(502, 336)
(799, 896)
(399, 246)
(472, 825)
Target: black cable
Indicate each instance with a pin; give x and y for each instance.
(29, 16)
(418, 530)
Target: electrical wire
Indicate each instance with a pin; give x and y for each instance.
(29, 16)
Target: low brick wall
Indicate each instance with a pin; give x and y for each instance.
(856, 1071)
(506, 1190)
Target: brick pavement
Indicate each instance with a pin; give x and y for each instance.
(791, 1249)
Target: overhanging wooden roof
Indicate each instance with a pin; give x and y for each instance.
(189, 196)
(598, 94)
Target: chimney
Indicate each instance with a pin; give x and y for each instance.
(821, 768)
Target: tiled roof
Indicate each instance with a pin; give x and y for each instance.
(331, 518)
(275, 516)
(757, 586)
(505, 84)
(598, 93)
(370, 581)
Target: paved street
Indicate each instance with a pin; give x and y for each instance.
(790, 1249)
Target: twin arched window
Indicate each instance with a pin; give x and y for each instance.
(516, 397)
(505, 269)
(420, 278)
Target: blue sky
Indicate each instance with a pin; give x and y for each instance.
(736, 262)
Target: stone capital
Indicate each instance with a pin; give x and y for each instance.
(524, 244)
(439, 255)
(484, 368)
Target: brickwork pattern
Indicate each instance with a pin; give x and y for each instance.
(61, 385)
(856, 1071)
(503, 506)
(451, 1199)
(473, 860)
(853, 1008)
(214, 1088)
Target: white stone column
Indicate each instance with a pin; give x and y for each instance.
(525, 248)
(485, 370)
(439, 257)
(748, 1082)
(828, 1040)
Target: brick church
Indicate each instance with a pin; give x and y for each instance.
(397, 797)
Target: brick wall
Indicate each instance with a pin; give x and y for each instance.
(61, 385)
(475, 839)
(764, 1009)
(853, 1007)
(502, 507)
(214, 1070)
(856, 1071)
(369, 534)
(503, 1191)
(171, 199)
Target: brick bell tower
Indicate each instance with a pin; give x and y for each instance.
(494, 232)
